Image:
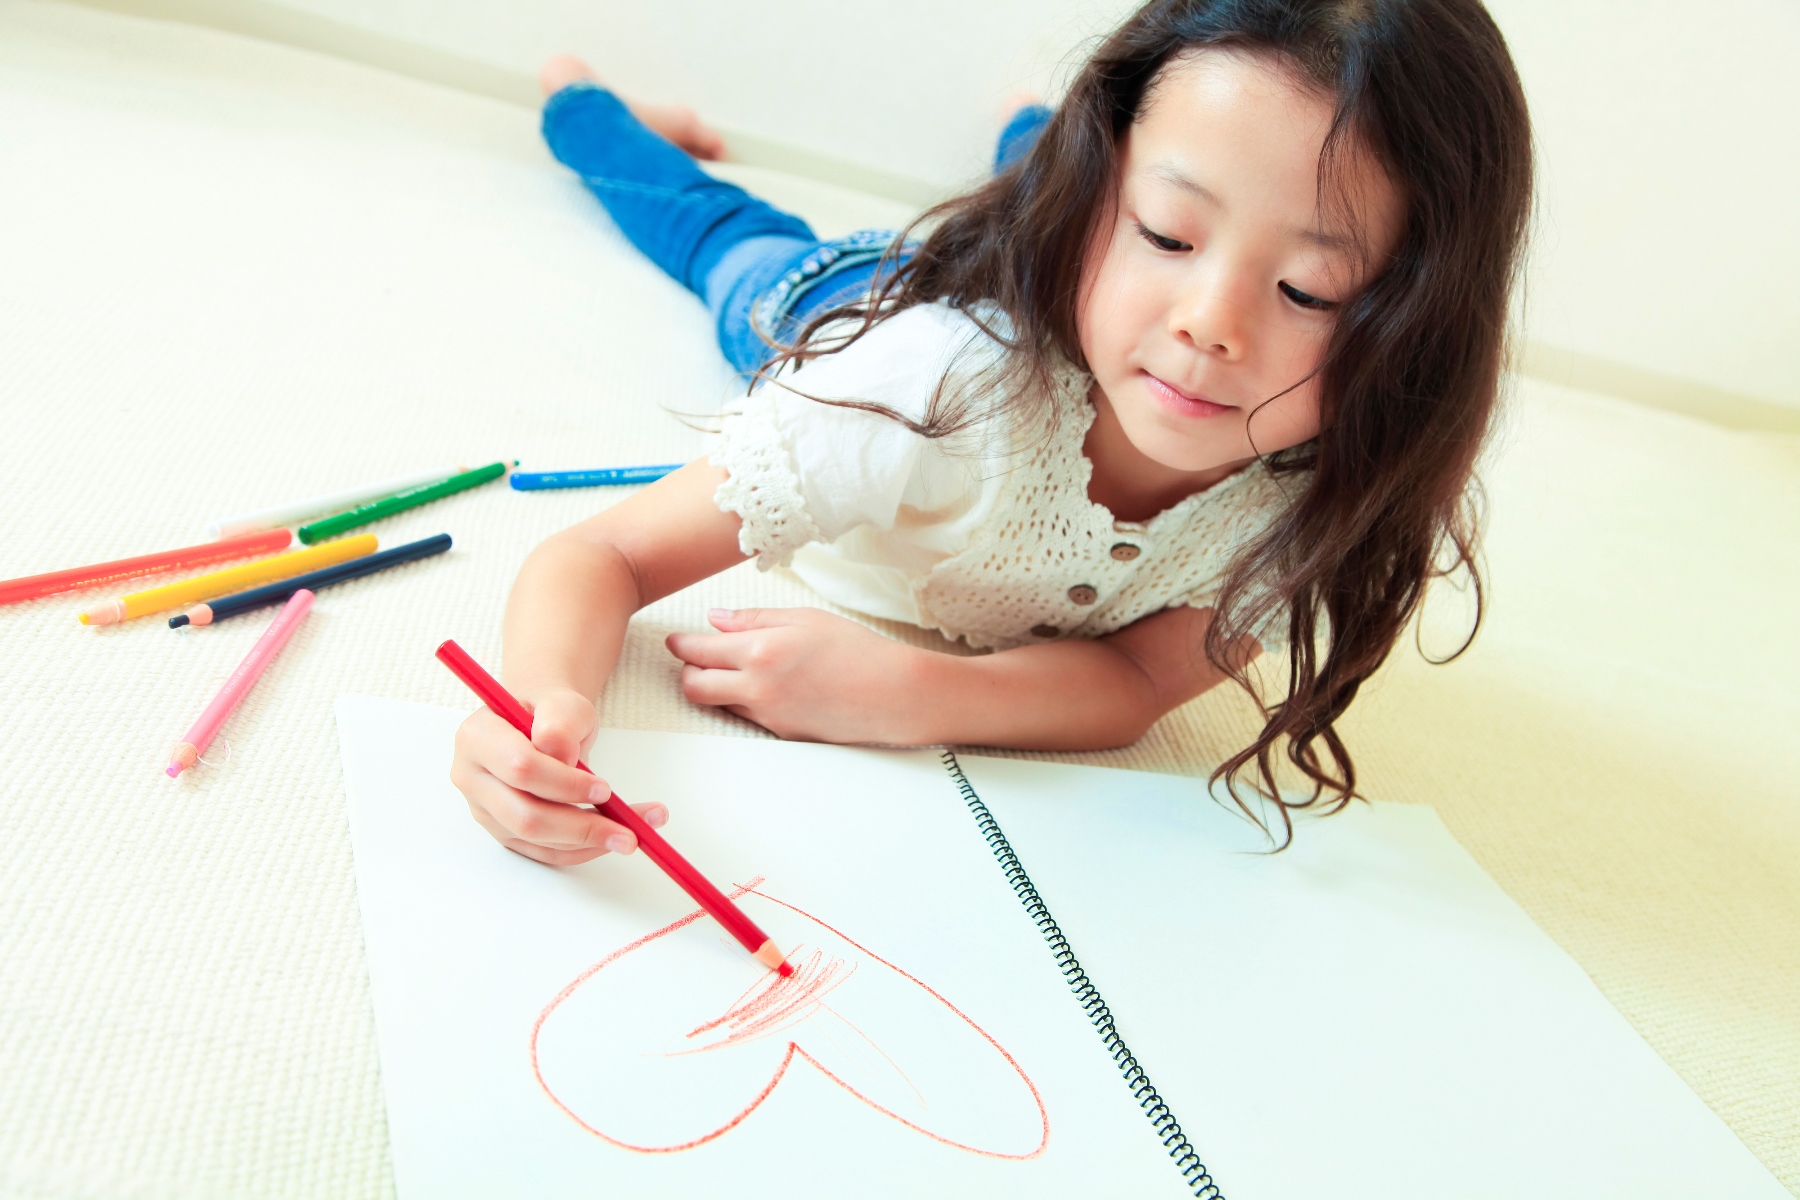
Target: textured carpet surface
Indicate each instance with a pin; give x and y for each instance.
(237, 274)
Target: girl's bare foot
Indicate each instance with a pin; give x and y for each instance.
(561, 71)
(683, 126)
(677, 122)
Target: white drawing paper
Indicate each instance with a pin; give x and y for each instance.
(1364, 1016)
(538, 1038)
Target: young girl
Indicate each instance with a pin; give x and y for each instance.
(1201, 372)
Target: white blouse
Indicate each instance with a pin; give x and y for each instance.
(987, 535)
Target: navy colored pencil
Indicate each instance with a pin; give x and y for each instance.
(535, 481)
(277, 593)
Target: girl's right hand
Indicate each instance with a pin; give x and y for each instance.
(528, 792)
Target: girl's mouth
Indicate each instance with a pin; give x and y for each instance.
(1174, 400)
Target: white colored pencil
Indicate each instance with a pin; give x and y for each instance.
(289, 514)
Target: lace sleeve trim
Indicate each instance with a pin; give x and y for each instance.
(763, 488)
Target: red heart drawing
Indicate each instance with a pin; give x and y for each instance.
(673, 1040)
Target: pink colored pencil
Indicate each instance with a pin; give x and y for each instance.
(242, 680)
(244, 545)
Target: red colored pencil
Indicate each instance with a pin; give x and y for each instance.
(245, 545)
(760, 945)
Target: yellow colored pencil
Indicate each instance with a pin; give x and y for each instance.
(218, 583)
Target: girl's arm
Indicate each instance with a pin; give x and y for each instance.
(565, 626)
(1095, 695)
(802, 673)
(807, 674)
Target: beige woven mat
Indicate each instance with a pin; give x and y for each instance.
(237, 274)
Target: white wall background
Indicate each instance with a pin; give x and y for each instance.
(1669, 224)
(1669, 230)
(906, 86)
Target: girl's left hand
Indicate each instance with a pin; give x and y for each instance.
(803, 674)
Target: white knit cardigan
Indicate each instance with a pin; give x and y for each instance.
(989, 537)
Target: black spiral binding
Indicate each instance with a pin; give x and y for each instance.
(1168, 1129)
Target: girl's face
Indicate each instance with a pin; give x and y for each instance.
(1213, 283)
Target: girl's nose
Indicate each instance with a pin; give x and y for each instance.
(1212, 320)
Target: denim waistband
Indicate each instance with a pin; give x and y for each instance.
(804, 291)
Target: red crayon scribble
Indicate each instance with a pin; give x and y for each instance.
(774, 1004)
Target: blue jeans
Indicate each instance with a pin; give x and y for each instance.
(762, 272)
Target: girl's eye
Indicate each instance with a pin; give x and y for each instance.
(1303, 300)
(1159, 241)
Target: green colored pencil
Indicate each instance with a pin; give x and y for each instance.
(387, 506)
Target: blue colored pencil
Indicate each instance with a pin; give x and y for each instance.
(276, 593)
(534, 481)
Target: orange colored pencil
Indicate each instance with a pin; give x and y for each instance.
(246, 545)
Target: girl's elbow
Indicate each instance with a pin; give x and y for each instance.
(576, 562)
(1131, 730)
(1113, 741)
(1121, 725)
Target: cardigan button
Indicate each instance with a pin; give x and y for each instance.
(1044, 631)
(1082, 594)
(1125, 551)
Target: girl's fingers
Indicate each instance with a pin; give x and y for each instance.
(513, 814)
(564, 745)
(498, 749)
(655, 815)
(543, 854)
(561, 723)
(709, 649)
(531, 770)
(734, 620)
(550, 858)
(555, 856)
(719, 688)
(553, 831)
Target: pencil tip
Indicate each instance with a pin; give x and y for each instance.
(110, 613)
(185, 756)
(178, 622)
(770, 956)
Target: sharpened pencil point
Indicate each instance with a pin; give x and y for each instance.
(185, 756)
(770, 956)
(110, 613)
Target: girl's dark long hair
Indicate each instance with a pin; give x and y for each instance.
(1384, 498)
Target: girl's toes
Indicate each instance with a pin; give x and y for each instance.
(561, 71)
(1016, 102)
(681, 125)
(708, 144)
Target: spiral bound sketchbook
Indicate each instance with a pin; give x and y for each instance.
(1013, 979)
